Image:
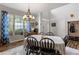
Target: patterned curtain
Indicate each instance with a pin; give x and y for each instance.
(4, 27)
(28, 26)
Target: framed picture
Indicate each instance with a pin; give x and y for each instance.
(53, 24)
(73, 28)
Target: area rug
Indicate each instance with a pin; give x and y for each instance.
(73, 44)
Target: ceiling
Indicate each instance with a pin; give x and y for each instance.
(35, 7)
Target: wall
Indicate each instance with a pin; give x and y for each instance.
(61, 16)
(43, 23)
(53, 29)
(12, 11)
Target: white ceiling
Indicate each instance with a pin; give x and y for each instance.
(35, 7)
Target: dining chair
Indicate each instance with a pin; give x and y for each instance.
(26, 34)
(42, 33)
(47, 47)
(66, 39)
(32, 45)
(50, 33)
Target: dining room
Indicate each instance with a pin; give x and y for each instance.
(39, 29)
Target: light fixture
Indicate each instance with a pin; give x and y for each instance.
(28, 15)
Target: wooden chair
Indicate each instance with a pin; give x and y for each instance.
(66, 39)
(42, 33)
(50, 34)
(26, 34)
(47, 47)
(32, 45)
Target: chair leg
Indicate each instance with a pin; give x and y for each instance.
(37, 53)
(27, 53)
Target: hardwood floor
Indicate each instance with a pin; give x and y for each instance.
(11, 45)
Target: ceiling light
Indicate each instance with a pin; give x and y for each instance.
(28, 15)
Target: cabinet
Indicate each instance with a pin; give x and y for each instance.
(73, 28)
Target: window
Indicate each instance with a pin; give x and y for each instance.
(10, 29)
(18, 25)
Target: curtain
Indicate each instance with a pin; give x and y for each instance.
(28, 26)
(4, 27)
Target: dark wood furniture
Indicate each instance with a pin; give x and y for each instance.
(73, 28)
(73, 35)
(50, 33)
(32, 46)
(66, 39)
(47, 47)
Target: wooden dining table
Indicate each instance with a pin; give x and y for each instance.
(59, 43)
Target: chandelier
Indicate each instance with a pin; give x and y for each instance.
(28, 15)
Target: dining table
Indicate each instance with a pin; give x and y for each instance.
(59, 43)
